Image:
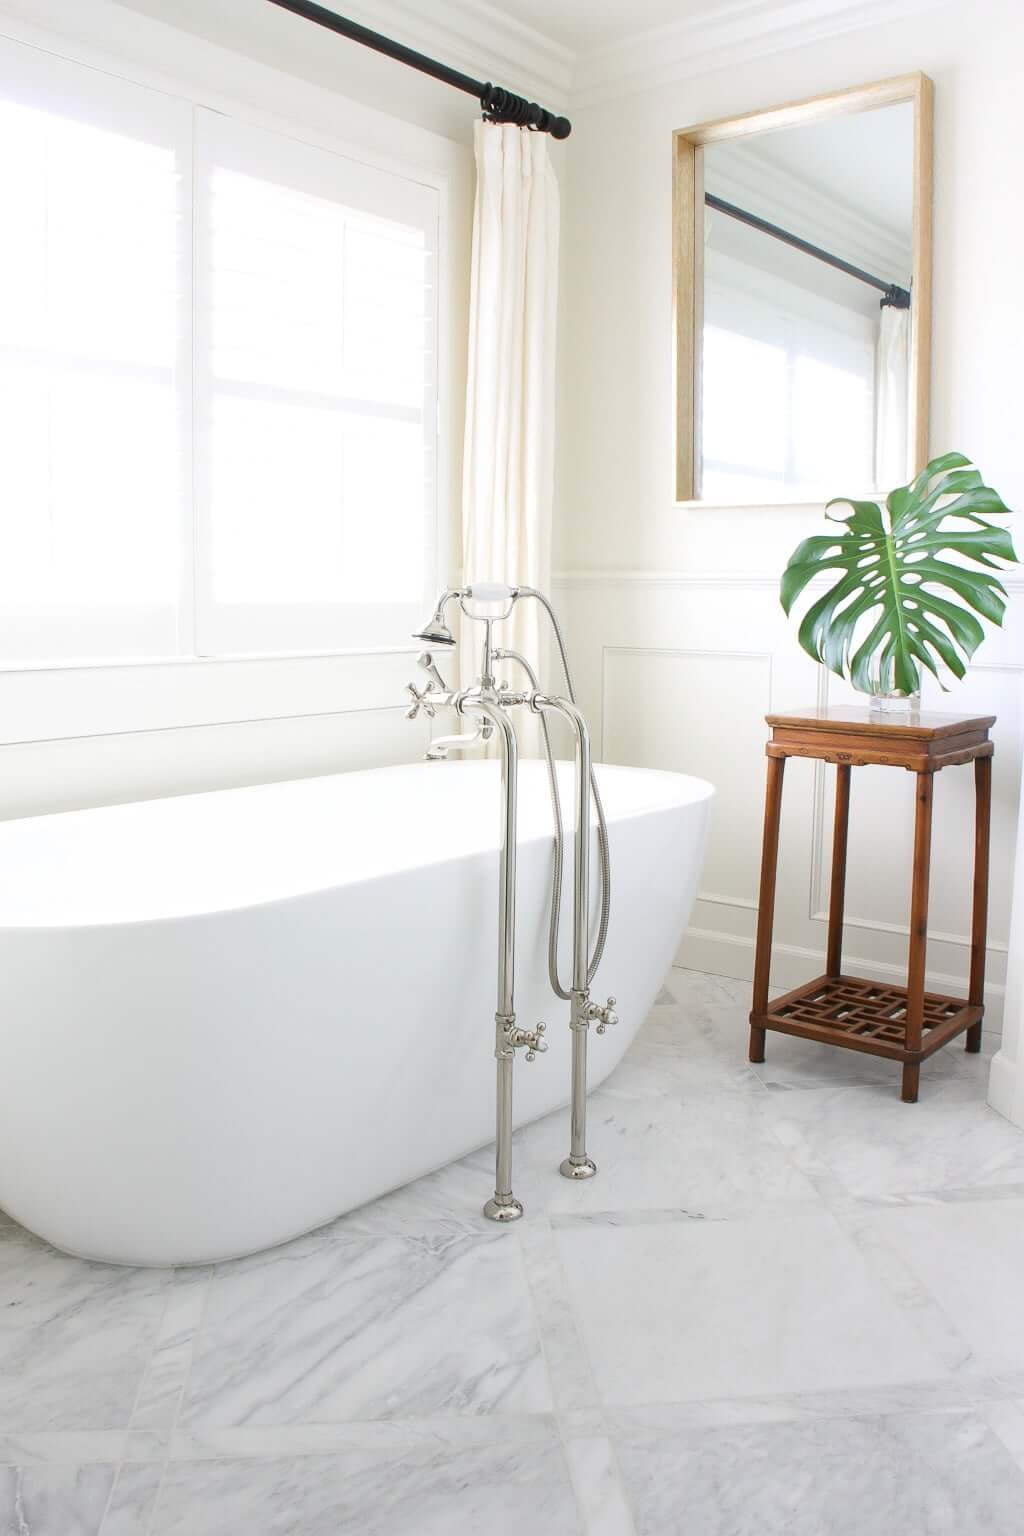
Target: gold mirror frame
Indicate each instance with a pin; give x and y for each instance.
(688, 252)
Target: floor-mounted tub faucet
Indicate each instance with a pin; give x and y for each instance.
(488, 705)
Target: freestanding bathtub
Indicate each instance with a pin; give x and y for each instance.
(227, 1018)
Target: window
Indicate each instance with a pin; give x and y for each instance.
(217, 381)
(788, 391)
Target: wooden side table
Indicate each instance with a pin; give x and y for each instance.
(906, 1024)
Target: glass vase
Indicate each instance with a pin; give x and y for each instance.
(895, 704)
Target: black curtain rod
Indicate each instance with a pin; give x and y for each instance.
(499, 105)
(892, 293)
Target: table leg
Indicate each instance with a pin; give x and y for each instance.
(918, 934)
(979, 918)
(837, 890)
(766, 902)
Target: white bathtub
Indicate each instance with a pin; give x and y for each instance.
(227, 1018)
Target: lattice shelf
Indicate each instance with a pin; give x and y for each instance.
(868, 1015)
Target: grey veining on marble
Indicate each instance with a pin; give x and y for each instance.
(781, 1302)
(599, 1487)
(133, 1499)
(368, 1327)
(572, 1377)
(783, 1285)
(158, 1402)
(898, 1476)
(501, 1491)
(75, 1337)
(868, 1145)
(708, 1156)
(969, 1258)
(54, 1501)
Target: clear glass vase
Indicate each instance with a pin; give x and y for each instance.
(895, 704)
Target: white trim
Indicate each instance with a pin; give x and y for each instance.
(584, 580)
(480, 38)
(723, 36)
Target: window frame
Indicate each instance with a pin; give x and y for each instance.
(48, 700)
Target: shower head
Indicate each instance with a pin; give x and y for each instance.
(436, 632)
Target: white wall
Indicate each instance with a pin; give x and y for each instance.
(673, 610)
(95, 735)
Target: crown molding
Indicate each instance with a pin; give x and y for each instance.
(476, 37)
(482, 39)
(724, 36)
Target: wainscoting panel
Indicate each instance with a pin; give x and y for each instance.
(678, 670)
(643, 724)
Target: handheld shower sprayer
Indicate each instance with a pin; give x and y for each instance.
(489, 706)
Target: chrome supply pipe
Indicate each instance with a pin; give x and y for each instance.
(503, 1206)
(578, 1165)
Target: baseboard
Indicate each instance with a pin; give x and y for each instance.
(729, 954)
(1006, 1088)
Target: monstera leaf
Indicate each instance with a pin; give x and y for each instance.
(896, 605)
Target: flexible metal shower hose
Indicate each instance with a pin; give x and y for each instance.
(556, 806)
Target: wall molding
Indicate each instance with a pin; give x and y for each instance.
(481, 38)
(722, 36)
(743, 581)
(582, 581)
(680, 652)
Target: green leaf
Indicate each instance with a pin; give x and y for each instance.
(894, 606)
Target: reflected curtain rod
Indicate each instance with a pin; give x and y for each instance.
(499, 105)
(892, 294)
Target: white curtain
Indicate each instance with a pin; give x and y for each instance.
(892, 402)
(510, 399)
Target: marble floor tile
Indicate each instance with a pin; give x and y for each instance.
(368, 1327)
(782, 1302)
(599, 1487)
(75, 1337)
(969, 1256)
(133, 1499)
(569, 1370)
(54, 1501)
(158, 1400)
(1006, 1420)
(708, 1156)
(787, 1303)
(680, 1053)
(506, 1490)
(698, 991)
(899, 1476)
(873, 1146)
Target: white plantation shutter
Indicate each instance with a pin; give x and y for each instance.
(316, 410)
(94, 365)
(217, 381)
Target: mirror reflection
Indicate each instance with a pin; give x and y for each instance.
(805, 309)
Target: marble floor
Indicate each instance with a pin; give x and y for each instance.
(788, 1304)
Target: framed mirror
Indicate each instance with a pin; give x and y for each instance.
(802, 279)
